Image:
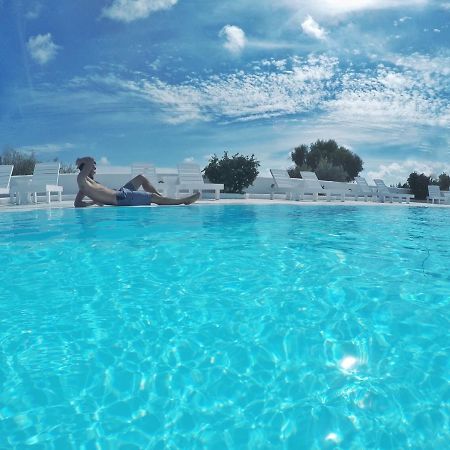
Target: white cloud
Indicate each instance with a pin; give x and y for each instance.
(312, 28)
(401, 104)
(34, 11)
(399, 171)
(394, 98)
(130, 10)
(334, 7)
(244, 96)
(189, 159)
(382, 101)
(429, 67)
(47, 148)
(104, 161)
(235, 39)
(42, 48)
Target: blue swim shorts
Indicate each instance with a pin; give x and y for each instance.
(128, 196)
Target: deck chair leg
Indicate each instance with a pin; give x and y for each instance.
(59, 196)
(48, 197)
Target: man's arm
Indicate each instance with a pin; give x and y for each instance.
(79, 203)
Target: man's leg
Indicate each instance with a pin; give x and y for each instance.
(139, 181)
(159, 200)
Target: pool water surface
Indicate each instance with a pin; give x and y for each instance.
(225, 326)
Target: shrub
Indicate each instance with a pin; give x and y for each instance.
(236, 173)
(23, 162)
(68, 168)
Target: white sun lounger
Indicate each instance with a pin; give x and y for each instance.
(5, 178)
(284, 182)
(435, 195)
(44, 180)
(313, 186)
(190, 179)
(149, 172)
(364, 190)
(384, 193)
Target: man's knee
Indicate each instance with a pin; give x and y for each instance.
(140, 178)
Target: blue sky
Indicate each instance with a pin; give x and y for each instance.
(166, 81)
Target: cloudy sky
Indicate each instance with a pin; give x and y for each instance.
(164, 81)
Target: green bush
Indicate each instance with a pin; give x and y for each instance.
(236, 173)
(23, 162)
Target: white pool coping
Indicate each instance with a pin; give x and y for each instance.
(66, 204)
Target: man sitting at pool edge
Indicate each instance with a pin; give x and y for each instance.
(127, 195)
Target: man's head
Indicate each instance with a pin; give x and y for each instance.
(80, 162)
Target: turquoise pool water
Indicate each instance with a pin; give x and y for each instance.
(225, 327)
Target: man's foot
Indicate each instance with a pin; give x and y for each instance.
(191, 199)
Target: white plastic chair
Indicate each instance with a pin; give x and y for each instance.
(5, 178)
(190, 179)
(384, 193)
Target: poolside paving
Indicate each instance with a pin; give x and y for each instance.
(251, 201)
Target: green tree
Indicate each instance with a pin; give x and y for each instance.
(23, 162)
(444, 182)
(325, 170)
(326, 153)
(299, 155)
(236, 173)
(418, 183)
(294, 172)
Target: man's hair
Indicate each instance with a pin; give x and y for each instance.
(80, 167)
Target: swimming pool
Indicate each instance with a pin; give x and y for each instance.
(225, 327)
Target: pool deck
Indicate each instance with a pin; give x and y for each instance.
(307, 203)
